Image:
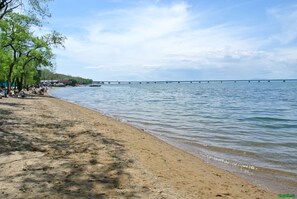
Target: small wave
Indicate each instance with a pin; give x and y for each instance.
(237, 164)
(279, 126)
(224, 149)
(266, 119)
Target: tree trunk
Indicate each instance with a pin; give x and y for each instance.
(13, 83)
(9, 78)
(19, 83)
(11, 68)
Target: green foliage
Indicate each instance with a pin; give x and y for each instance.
(49, 75)
(4, 57)
(36, 8)
(22, 53)
(26, 58)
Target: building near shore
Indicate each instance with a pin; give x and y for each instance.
(56, 82)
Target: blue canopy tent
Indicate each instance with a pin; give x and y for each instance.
(4, 84)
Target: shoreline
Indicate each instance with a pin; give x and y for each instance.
(256, 175)
(172, 172)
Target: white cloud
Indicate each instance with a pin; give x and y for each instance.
(140, 40)
(287, 22)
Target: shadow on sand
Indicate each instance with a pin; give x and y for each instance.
(58, 174)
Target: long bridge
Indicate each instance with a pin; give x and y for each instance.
(194, 81)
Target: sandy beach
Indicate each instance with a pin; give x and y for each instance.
(50, 148)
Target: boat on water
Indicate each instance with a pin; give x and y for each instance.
(95, 85)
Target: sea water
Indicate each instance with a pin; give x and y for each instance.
(247, 128)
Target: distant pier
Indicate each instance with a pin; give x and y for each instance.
(196, 81)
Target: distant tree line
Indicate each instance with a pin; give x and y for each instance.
(49, 75)
(23, 53)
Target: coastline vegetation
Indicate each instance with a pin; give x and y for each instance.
(46, 74)
(24, 52)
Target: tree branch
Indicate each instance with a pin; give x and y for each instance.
(5, 6)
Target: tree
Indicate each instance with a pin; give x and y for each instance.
(23, 50)
(31, 7)
(23, 54)
(14, 38)
(3, 62)
(38, 55)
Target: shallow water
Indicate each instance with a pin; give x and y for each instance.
(248, 128)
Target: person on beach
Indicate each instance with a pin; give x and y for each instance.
(41, 91)
(11, 93)
(3, 91)
(22, 94)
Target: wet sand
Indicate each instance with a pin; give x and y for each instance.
(50, 148)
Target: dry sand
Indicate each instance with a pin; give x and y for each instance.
(50, 148)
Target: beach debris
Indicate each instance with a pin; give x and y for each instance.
(93, 161)
(223, 195)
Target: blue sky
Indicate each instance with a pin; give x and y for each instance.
(176, 40)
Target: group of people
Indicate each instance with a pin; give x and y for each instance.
(3, 92)
(12, 93)
(38, 91)
(21, 94)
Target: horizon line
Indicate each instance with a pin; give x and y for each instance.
(210, 80)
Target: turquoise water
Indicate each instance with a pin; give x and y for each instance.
(248, 128)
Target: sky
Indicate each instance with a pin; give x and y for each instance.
(176, 39)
